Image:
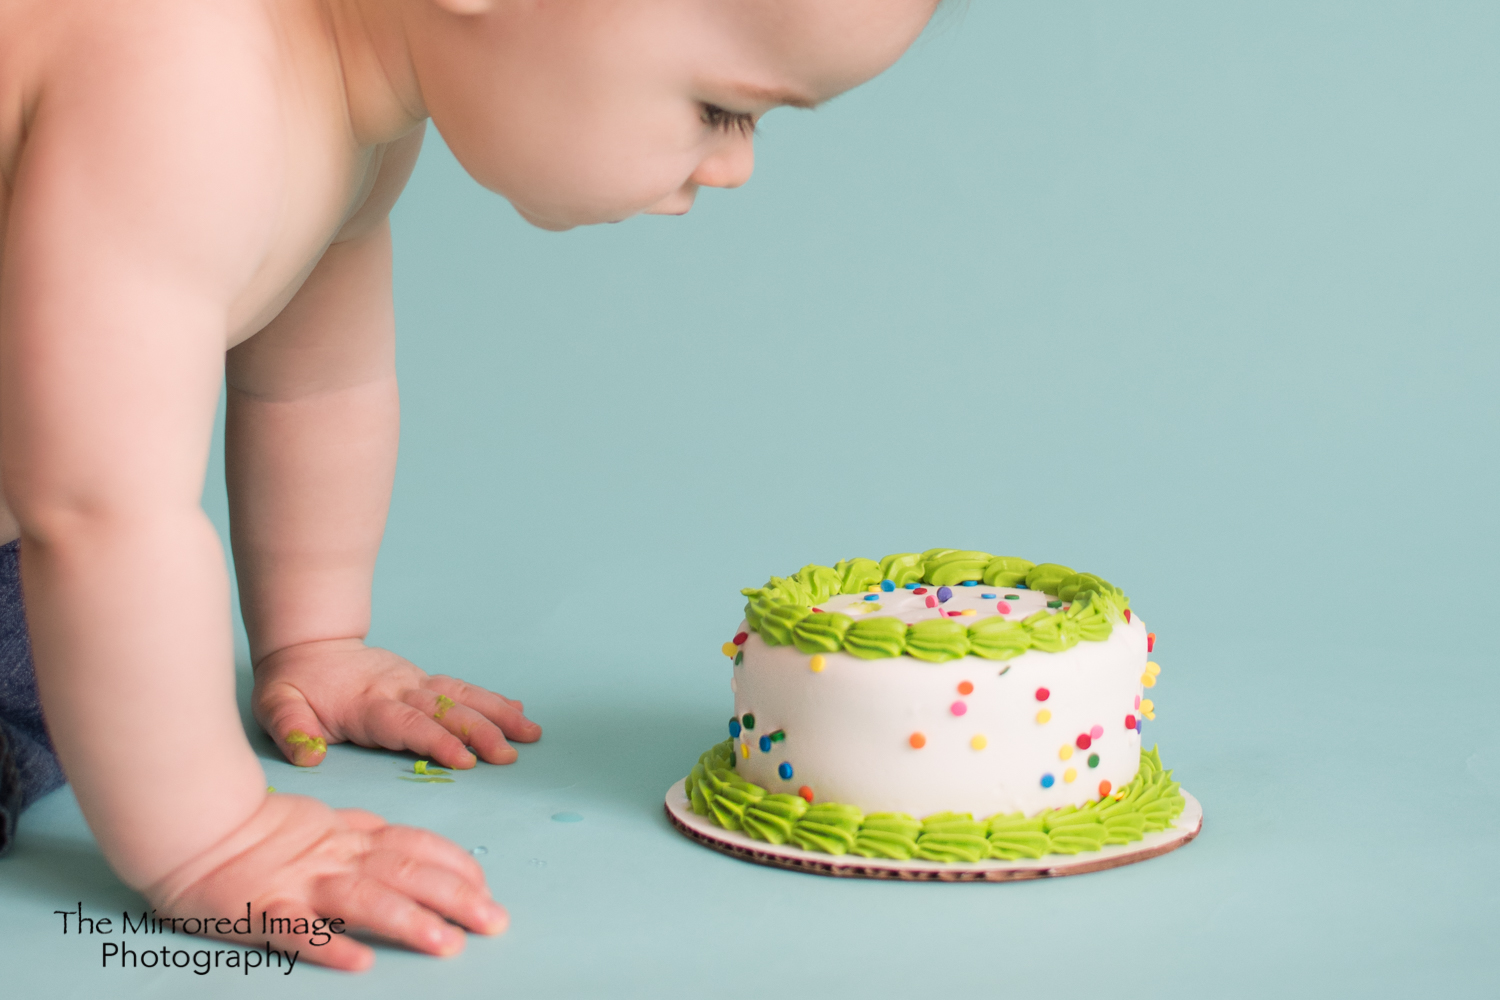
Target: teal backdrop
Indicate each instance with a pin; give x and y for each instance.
(1198, 297)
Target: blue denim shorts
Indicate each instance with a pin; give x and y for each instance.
(28, 765)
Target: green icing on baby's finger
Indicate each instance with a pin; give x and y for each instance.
(298, 740)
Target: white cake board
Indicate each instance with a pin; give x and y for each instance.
(1183, 829)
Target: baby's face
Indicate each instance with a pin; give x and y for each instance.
(586, 111)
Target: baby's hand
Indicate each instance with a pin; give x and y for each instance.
(296, 857)
(317, 693)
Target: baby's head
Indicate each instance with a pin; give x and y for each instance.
(586, 111)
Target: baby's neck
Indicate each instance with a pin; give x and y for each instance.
(380, 84)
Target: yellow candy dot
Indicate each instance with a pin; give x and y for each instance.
(729, 648)
(1148, 681)
(872, 589)
(1044, 716)
(979, 743)
(744, 750)
(817, 663)
(967, 613)
(1065, 752)
(1147, 705)
(1153, 669)
(1069, 774)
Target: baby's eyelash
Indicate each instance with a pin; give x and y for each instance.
(728, 121)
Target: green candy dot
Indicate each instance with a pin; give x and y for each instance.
(1093, 760)
(1054, 604)
(739, 658)
(748, 721)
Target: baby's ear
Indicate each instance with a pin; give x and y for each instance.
(464, 8)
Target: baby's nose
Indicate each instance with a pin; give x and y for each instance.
(729, 166)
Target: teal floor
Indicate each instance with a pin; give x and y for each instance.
(1201, 298)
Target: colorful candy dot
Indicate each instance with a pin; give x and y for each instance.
(919, 590)
(967, 612)
(1137, 701)
(911, 586)
(931, 601)
(1048, 781)
(964, 687)
(1083, 741)
(944, 594)
(1148, 681)
(739, 657)
(1150, 641)
(778, 736)
(765, 744)
(785, 770)
(744, 750)
(740, 637)
(888, 585)
(1127, 616)
(1042, 694)
(1012, 597)
(817, 663)
(873, 588)
(872, 597)
(1003, 608)
(1093, 760)
(729, 649)
(1104, 788)
(817, 611)
(1054, 604)
(1069, 775)
(917, 741)
(1065, 751)
(1153, 668)
(986, 597)
(805, 792)
(969, 583)
(734, 728)
(1096, 731)
(749, 720)
(1137, 726)
(1044, 716)
(979, 742)
(1129, 722)
(958, 708)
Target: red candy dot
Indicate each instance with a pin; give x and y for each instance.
(1083, 741)
(920, 590)
(1127, 618)
(806, 792)
(739, 640)
(917, 741)
(1003, 608)
(1104, 788)
(1129, 722)
(1150, 641)
(817, 611)
(964, 687)
(958, 708)
(1042, 694)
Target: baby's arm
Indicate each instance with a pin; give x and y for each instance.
(144, 203)
(311, 441)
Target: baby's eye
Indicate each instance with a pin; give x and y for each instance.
(716, 117)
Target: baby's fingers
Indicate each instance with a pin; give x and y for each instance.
(440, 890)
(398, 726)
(368, 902)
(289, 719)
(506, 714)
(339, 952)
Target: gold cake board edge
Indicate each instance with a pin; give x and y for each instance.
(738, 845)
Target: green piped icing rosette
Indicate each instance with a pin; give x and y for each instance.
(784, 612)
(1147, 804)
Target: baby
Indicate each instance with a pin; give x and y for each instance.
(197, 191)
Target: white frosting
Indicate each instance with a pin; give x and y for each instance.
(848, 727)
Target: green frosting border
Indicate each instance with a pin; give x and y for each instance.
(782, 614)
(1147, 804)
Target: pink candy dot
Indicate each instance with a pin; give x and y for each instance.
(1003, 608)
(958, 708)
(931, 601)
(1096, 732)
(1137, 701)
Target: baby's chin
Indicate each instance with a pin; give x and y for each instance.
(559, 219)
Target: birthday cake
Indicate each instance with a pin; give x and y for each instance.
(948, 706)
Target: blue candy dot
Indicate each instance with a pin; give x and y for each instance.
(872, 597)
(734, 728)
(1048, 781)
(785, 770)
(1022, 586)
(765, 744)
(944, 593)
(1137, 723)
(887, 585)
(911, 586)
(969, 583)
(986, 597)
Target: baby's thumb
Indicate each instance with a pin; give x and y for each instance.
(292, 724)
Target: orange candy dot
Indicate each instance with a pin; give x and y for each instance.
(1104, 788)
(964, 687)
(917, 741)
(806, 792)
